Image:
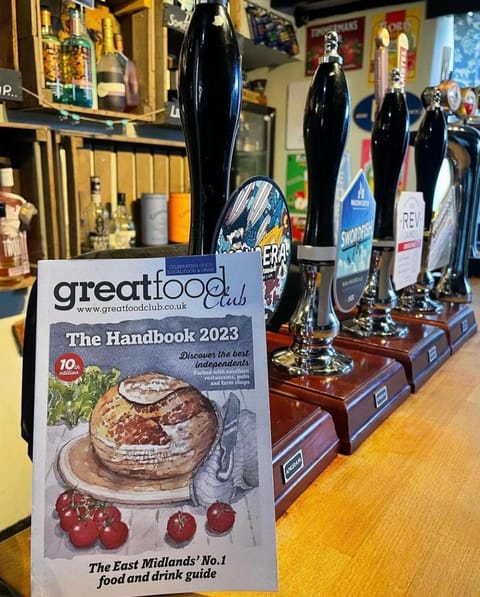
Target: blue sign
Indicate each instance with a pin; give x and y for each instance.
(354, 243)
(363, 114)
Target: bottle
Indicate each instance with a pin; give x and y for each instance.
(97, 219)
(210, 95)
(51, 57)
(11, 268)
(79, 53)
(325, 131)
(18, 211)
(122, 235)
(110, 76)
(132, 97)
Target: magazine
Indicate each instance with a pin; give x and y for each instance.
(152, 445)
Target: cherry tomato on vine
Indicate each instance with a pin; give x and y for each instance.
(68, 517)
(67, 499)
(113, 534)
(220, 517)
(181, 526)
(84, 533)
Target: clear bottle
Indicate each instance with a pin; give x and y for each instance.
(110, 74)
(80, 67)
(97, 219)
(132, 96)
(51, 57)
(11, 268)
(123, 232)
(18, 211)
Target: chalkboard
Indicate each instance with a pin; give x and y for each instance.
(10, 85)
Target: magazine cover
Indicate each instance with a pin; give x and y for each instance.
(152, 449)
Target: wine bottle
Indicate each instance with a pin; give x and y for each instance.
(110, 76)
(96, 219)
(51, 57)
(122, 235)
(210, 95)
(325, 131)
(80, 56)
(390, 137)
(132, 96)
(11, 268)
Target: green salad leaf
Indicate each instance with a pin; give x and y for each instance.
(72, 402)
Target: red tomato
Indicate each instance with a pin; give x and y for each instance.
(68, 517)
(83, 533)
(220, 517)
(103, 515)
(113, 534)
(67, 499)
(181, 526)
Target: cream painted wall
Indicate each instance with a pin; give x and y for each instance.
(15, 466)
(433, 35)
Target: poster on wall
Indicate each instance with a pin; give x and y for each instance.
(152, 455)
(406, 21)
(296, 193)
(351, 41)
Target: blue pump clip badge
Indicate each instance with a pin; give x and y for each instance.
(354, 242)
(256, 218)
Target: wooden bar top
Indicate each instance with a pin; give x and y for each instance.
(401, 516)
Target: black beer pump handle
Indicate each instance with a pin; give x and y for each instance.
(325, 131)
(390, 137)
(210, 96)
(431, 143)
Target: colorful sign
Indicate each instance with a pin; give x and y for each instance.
(351, 41)
(296, 193)
(407, 21)
(354, 243)
(256, 218)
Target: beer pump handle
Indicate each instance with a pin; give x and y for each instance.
(382, 41)
(431, 143)
(325, 131)
(390, 138)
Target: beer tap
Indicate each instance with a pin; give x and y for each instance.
(430, 151)
(389, 145)
(314, 323)
(464, 149)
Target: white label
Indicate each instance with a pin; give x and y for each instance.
(409, 220)
(381, 396)
(432, 354)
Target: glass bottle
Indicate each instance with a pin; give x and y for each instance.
(18, 210)
(210, 95)
(11, 269)
(97, 219)
(122, 234)
(110, 75)
(51, 57)
(79, 53)
(132, 97)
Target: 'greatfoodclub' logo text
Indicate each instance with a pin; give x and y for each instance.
(213, 290)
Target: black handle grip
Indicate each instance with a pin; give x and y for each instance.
(325, 131)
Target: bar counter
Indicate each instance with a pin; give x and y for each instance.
(400, 516)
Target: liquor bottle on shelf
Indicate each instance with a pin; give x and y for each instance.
(97, 219)
(122, 235)
(79, 56)
(132, 96)
(51, 57)
(11, 268)
(210, 95)
(110, 75)
(18, 210)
